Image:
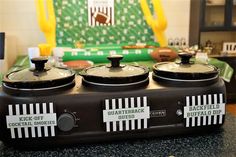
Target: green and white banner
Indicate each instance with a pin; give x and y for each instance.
(122, 23)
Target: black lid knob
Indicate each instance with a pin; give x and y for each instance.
(185, 57)
(39, 63)
(115, 60)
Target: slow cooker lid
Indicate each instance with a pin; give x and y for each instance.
(115, 73)
(39, 77)
(185, 69)
(122, 71)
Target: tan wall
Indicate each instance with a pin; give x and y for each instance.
(178, 16)
(19, 21)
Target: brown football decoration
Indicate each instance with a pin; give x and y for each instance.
(101, 18)
(164, 54)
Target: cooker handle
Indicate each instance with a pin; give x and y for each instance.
(39, 63)
(115, 60)
(185, 57)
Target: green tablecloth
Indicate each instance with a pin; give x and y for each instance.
(226, 71)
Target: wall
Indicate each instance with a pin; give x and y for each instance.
(1, 21)
(178, 16)
(18, 20)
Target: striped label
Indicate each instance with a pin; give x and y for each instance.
(126, 114)
(229, 47)
(204, 110)
(101, 12)
(31, 120)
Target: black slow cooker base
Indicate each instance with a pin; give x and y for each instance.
(111, 88)
(39, 91)
(183, 83)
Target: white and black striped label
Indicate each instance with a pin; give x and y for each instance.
(229, 47)
(31, 120)
(101, 12)
(204, 110)
(124, 114)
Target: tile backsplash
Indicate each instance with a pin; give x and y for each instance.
(18, 20)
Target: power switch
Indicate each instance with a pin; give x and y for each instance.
(66, 122)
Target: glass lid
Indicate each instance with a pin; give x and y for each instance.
(115, 72)
(46, 76)
(29, 75)
(122, 71)
(185, 69)
(115, 69)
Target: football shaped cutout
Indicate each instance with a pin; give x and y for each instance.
(101, 18)
(164, 54)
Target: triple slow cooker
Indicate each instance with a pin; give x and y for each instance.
(48, 106)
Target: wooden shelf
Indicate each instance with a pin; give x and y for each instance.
(217, 28)
(216, 5)
(222, 56)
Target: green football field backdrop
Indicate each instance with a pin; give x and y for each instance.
(73, 26)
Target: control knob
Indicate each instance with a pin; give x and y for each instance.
(66, 122)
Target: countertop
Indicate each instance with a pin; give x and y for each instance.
(233, 55)
(221, 143)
